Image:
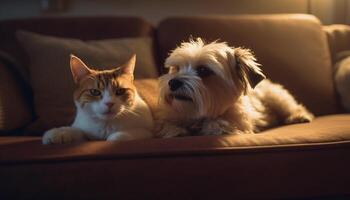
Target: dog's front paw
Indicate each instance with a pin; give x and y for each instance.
(300, 117)
(169, 131)
(216, 127)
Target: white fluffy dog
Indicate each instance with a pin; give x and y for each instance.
(212, 89)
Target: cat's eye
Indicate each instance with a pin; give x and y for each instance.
(203, 71)
(120, 91)
(95, 92)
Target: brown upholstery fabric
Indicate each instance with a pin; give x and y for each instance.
(309, 173)
(84, 28)
(338, 38)
(289, 162)
(50, 74)
(14, 109)
(332, 128)
(292, 49)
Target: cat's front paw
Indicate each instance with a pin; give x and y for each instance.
(120, 136)
(63, 135)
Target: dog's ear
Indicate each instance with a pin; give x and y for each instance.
(247, 68)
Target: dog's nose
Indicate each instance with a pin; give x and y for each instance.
(175, 84)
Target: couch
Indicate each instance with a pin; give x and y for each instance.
(300, 161)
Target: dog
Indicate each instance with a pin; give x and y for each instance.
(215, 89)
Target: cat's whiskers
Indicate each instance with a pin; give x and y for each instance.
(127, 110)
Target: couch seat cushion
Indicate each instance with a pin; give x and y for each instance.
(322, 132)
(297, 161)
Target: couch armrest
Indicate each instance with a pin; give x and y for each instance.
(15, 111)
(338, 39)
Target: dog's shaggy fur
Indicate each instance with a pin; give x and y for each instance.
(209, 91)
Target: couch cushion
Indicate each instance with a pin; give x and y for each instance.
(342, 79)
(303, 160)
(338, 39)
(323, 130)
(50, 74)
(84, 28)
(15, 111)
(292, 49)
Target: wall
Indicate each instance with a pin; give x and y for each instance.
(331, 11)
(155, 10)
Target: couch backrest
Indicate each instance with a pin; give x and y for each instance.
(338, 39)
(84, 28)
(292, 49)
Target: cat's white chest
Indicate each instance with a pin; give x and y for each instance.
(95, 129)
(103, 130)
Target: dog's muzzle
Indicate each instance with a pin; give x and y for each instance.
(175, 85)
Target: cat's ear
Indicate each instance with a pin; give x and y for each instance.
(78, 68)
(129, 67)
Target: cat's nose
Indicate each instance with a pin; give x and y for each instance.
(109, 104)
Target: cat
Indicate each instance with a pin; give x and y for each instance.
(108, 106)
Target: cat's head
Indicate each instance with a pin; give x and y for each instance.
(103, 94)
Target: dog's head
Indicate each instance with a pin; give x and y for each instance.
(205, 79)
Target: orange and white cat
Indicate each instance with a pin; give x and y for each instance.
(108, 104)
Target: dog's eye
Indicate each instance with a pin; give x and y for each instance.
(95, 92)
(203, 71)
(173, 69)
